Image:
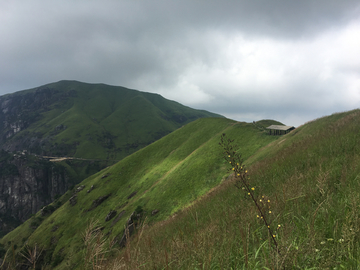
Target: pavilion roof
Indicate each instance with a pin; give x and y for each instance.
(280, 127)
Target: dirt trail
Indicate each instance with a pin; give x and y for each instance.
(182, 161)
(58, 159)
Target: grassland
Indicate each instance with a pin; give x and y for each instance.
(310, 177)
(168, 175)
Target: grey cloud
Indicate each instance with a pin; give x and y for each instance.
(281, 18)
(157, 45)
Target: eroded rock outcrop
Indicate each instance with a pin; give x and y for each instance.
(129, 229)
(110, 215)
(132, 223)
(98, 201)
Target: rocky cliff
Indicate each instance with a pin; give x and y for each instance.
(27, 183)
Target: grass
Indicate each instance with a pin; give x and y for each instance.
(312, 182)
(168, 175)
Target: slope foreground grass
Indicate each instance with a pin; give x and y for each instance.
(309, 180)
(166, 176)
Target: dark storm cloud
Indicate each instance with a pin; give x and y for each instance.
(205, 54)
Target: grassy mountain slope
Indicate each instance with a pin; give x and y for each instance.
(167, 176)
(94, 121)
(308, 179)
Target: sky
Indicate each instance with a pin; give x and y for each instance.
(291, 61)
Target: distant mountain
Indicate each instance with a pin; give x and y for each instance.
(96, 123)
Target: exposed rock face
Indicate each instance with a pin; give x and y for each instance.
(73, 200)
(79, 188)
(91, 188)
(129, 229)
(154, 212)
(131, 224)
(98, 201)
(118, 218)
(110, 215)
(27, 184)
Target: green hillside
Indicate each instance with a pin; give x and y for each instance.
(167, 176)
(93, 121)
(307, 185)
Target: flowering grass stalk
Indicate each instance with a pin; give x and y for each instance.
(242, 182)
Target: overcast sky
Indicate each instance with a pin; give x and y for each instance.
(292, 61)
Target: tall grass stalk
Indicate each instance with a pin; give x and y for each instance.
(95, 246)
(242, 182)
(31, 255)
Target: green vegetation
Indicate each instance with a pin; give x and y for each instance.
(168, 176)
(93, 121)
(309, 177)
(307, 181)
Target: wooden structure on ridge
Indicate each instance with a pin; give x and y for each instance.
(279, 130)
